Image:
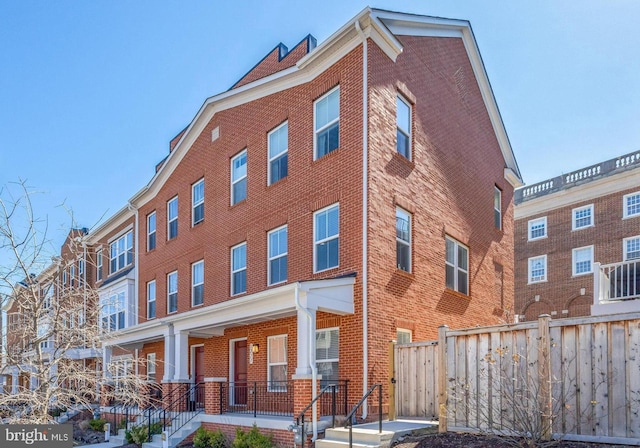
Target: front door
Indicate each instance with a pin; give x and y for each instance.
(198, 375)
(240, 372)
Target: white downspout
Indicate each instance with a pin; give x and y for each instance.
(365, 207)
(312, 360)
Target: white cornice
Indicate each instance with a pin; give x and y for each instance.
(109, 226)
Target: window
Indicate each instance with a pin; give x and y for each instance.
(172, 218)
(197, 283)
(151, 299)
(64, 277)
(537, 228)
(403, 336)
(72, 275)
(582, 260)
(80, 269)
(277, 363)
(197, 202)
(457, 266)
(403, 122)
(631, 248)
(113, 312)
(327, 344)
(99, 265)
(278, 153)
(239, 178)
(631, 205)
(121, 252)
(151, 367)
(277, 241)
(172, 292)
(538, 269)
(239, 269)
(151, 231)
(403, 240)
(327, 123)
(326, 223)
(582, 217)
(497, 207)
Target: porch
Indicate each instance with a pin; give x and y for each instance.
(616, 288)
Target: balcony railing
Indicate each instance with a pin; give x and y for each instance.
(617, 281)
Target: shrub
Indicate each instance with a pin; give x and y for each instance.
(209, 439)
(97, 424)
(252, 439)
(156, 428)
(84, 425)
(57, 411)
(137, 435)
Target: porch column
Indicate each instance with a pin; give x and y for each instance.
(306, 340)
(169, 354)
(14, 381)
(181, 356)
(106, 360)
(212, 391)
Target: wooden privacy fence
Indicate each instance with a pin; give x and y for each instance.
(416, 367)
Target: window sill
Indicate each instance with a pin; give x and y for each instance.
(278, 182)
(582, 274)
(582, 228)
(537, 239)
(405, 274)
(237, 204)
(458, 294)
(196, 224)
(327, 155)
(536, 282)
(197, 305)
(399, 157)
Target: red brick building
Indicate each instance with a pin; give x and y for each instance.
(577, 242)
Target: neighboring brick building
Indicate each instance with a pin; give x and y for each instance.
(576, 234)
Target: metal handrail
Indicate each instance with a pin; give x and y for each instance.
(157, 414)
(351, 414)
(300, 417)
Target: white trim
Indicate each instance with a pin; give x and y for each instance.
(573, 260)
(270, 259)
(533, 222)
(125, 253)
(234, 271)
(155, 230)
(192, 367)
(169, 220)
(193, 285)
(625, 256)
(232, 198)
(327, 125)
(592, 217)
(120, 233)
(155, 299)
(456, 266)
(546, 269)
(274, 364)
(403, 242)
(169, 292)
(336, 236)
(232, 359)
(625, 213)
(194, 204)
(278, 155)
(405, 331)
(406, 132)
(497, 193)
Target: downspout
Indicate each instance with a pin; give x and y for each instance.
(312, 360)
(365, 207)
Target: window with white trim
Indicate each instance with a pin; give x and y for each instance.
(497, 208)
(72, 275)
(326, 242)
(631, 205)
(172, 218)
(151, 299)
(151, 367)
(99, 265)
(64, 277)
(277, 255)
(327, 123)
(121, 369)
(277, 363)
(81, 269)
(172, 292)
(197, 283)
(631, 248)
(537, 228)
(456, 266)
(582, 217)
(538, 269)
(121, 251)
(151, 231)
(197, 202)
(403, 336)
(582, 260)
(239, 177)
(327, 355)
(403, 127)
(239, 269)
(113, 312)
(403, 239)
(278, 142)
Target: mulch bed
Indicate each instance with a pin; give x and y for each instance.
(462, 440)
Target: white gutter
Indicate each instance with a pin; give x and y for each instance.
(365, 206)
(312, 360)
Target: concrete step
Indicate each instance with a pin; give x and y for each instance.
(362, 438)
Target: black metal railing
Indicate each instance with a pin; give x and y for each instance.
(340, 396)
(327, 396)
(350, 420)
(257, 398)
(174, 414)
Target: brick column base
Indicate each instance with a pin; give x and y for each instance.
(212, 395)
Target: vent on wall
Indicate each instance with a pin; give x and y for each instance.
(215, 133)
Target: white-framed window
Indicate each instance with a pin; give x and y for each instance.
(278, 142)
(328, 355)
(72, 275)
(403, 124)
(277, 363)
(456, 266)
(197, 202)
(239, 269)
(121, 252)
(326, 112)
(403, 336)
(239, 177)
(326, 238)
(121, 369)
(151, 367)
(151, 231)
(537, 228)
(64, 277)
(631, 248)
(197, 283)
(99, 265)
(81, 268)
(582, 260)
(277, 255)
(151, 299)
(538, 269)
(403, 239)
(113, 312)
(631, 205)
(172, 218)
(497, 208)
(172, 292)
(582, 217)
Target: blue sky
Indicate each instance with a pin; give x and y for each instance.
(91, 92)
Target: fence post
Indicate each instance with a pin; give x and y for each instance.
(392, 381)
(544, 376)
(442, 378)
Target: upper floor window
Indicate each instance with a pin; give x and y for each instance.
(197, 202)
(631, 205)
(327, 354)
(80, 269)
(239, 178)
(537, 228)
(113, 309)
(197, 283)
(99, 265)
(277, 363)
(172, 292)
(151, 366)
(64, 277)
(278, 153)
(151, 299)
(457, 266)
(538, 269)
(582, 260)
(121, 252)
(403, 240)
(277, 241)
(497, 207)
(326, 242)
(172, 218)
(327, 123)
(403, 123)
(582, 217)
(239, 269)
(151, 231)
(631, 248)
(72, 275)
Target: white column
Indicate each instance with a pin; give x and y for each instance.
(14, 381)
(306, 341)
(33, 382)
(182, 356)
(106, 360)
(169, 354)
